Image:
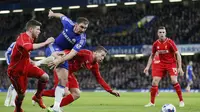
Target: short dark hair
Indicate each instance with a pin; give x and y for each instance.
(161, 27)
(100, 48)
(82, 20)
(32, 23)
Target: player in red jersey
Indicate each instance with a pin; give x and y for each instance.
(85, 59)
(168, 54)
(20, 67)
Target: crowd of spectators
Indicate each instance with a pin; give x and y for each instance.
(114, 26)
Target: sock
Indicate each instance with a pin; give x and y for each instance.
(154, 90)
(40, 88)
(67, 100)
(49, 93)
(9, 93)
(59, 92)
(13, 97)
(56, 80)
(18, 103)
(177, 87)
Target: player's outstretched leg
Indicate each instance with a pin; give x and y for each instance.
(60, 89)
(154, 91)
(18, 101)
(8, 96)
(13, 97)
(177, 87)
(41, 85)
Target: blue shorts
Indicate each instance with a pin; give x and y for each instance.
(52, 48)
(189, 80)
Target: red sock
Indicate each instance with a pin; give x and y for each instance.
(56, 80)
(154, 90)
(18, 103)
(67, 100)
(41, 86)
(49, 93)
(177, 87)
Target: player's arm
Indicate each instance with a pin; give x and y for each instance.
(193, 75)
(57, 15)
(179, 60)
(150, 59)
(178, 57)
(77, 47)
(64, 19)
(186, 75)
(95, 71)
(39, 45)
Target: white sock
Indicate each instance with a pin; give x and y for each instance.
(45, 61)
(9, 93)
(59, 92)
(14, 94)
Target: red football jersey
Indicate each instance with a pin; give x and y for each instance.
(156, 59)
(84, 60)
(20, 56)
(166, 50)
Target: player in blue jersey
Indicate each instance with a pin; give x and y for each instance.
(73, 37)
(189, 76)
(11, 94)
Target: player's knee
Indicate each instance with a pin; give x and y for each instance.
(174, 81)
(155, 82)
(45, 77)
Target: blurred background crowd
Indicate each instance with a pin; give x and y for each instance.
(115, 26)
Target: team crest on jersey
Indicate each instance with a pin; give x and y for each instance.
(73, 40)
(158, 47)
(165, 47)
(87, 62)
(78, 46)
(66, 30)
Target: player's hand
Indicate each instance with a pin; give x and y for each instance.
(50, 15)
(49, 40)
(146, 71)
(180, 70)
(115, 93)
(55, 63)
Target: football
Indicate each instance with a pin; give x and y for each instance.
(168, 108)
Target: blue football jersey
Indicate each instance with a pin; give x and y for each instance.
(68, 39)
(8, 52)
(189, 70)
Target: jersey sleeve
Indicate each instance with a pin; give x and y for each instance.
(154, 48)
(66, 21)
(80, 44)
(25, 42)
(173, 46)
(100, 80)
(8, 53)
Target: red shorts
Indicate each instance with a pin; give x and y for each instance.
(159, 70)
(20, 79)
(72, 81)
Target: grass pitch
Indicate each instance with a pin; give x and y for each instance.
(104, 102)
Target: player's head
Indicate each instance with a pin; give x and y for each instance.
(81, 25)
(100, 53)
(33, 27)
(190, 63)
(161, 33)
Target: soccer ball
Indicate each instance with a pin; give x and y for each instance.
(168, 108)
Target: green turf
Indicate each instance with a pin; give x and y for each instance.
(104, 102)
